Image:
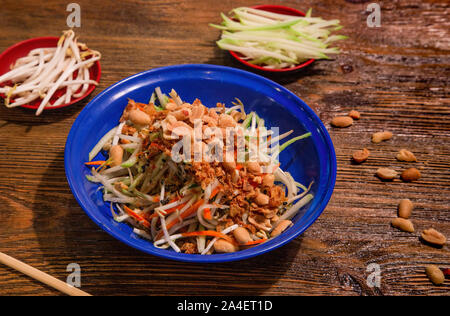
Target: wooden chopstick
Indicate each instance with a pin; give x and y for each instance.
(41, 276)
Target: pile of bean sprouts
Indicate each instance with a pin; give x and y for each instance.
(44, 71)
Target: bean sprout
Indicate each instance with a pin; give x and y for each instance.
(44, 71)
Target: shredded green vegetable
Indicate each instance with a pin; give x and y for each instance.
(293, 140)
(276, 40)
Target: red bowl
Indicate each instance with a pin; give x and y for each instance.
(21, 49)
(281, 10)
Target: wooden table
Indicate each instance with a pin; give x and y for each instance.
(397, 76)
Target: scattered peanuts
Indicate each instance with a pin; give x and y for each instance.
(411, 174)
(342, 121)
(406, 155)
(354, 114)
(434, 237)
(360, 156)
(381, 136)
(405, 208)
(386, 173)
(435, 274)
(403, 224)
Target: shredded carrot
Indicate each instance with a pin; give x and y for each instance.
(95, 163)
(183, 215)
(207, 214)
(137, 217)
(174, 200)
(239, 166)
(215, 191)
(188, 212)
(210, 233)
(141, 106)
(255, 242)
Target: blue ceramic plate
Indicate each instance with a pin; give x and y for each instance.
(310, 159)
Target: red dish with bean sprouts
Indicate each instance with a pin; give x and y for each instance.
(48, 72)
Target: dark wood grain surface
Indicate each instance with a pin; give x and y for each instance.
(397, 76)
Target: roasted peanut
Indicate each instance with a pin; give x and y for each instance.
(226, 120)
(411, 174)
(434, 237)
(253, 167)
(196, 113)
(360, 156)
(262, 199)
(405, 208)
(182, 114)
(229, 165)
(171, 106)
(268, 180)
(403, 224)
(406, 155)
(116, 155)
(342, 121)
(224, 246)
(139, 117)
(381, 136)
(242, 235)
(386, 173)
(354, 115)
(281, 227)
(435, 274)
